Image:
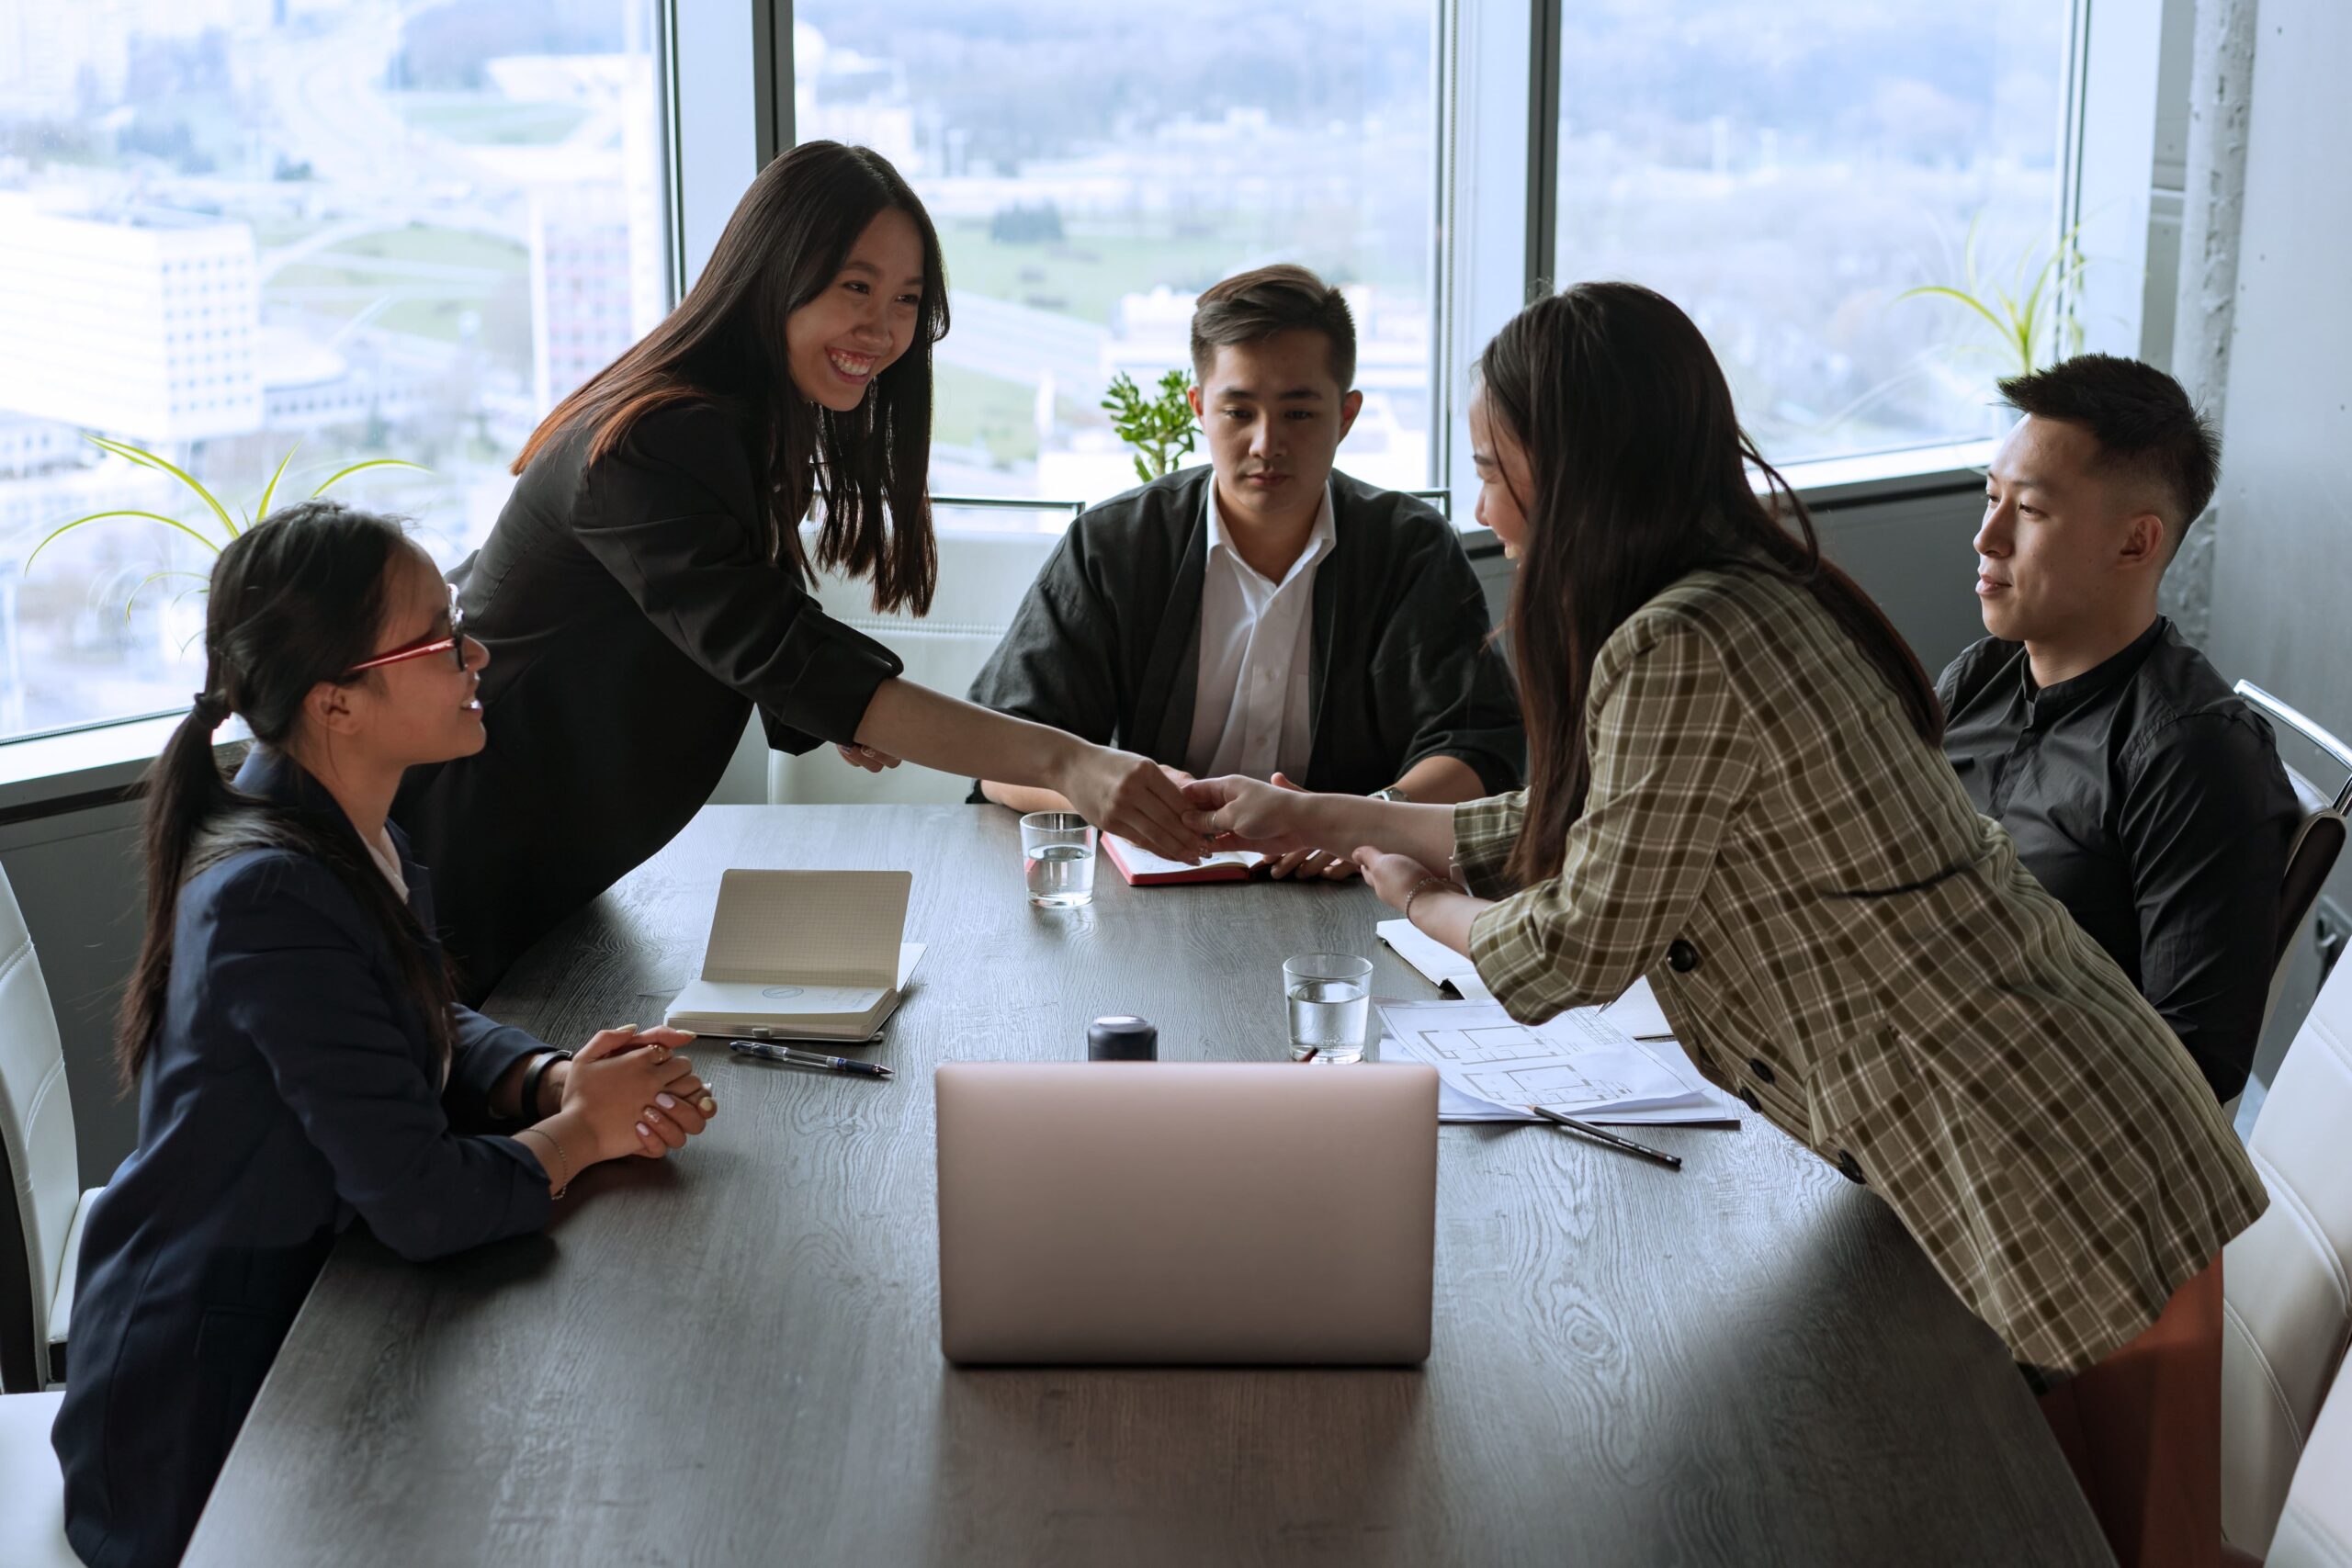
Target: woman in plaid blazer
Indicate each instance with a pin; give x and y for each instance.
(1737, 790)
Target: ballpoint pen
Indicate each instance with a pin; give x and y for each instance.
(768, 1051)
(1602, 1135)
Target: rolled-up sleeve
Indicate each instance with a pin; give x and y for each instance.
(698, 571)
(1484, 832)
(1673, 756)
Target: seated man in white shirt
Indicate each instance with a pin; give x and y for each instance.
(1268, 614)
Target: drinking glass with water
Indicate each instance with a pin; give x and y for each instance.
(1057, 857)
(1329, 996)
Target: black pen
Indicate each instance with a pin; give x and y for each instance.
(1602, 1135)
(773, 1053)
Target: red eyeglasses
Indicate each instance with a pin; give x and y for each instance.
(453, 641)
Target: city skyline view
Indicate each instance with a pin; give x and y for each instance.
(372, 230)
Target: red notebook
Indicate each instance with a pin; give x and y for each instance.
(1140, 868)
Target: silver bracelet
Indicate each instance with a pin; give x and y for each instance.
(1427, 882)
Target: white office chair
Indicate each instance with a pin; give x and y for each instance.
(2315, 1531)
(32, 1493)
(981, 580)
(2317, 841)
(41, 1226)
(2287, 1282)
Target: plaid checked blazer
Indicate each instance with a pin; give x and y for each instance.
(1841, 940)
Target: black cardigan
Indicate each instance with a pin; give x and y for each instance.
(633, 618)
(1107, 644)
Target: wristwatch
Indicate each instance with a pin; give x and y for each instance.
(1391, 793)
(527, 1100)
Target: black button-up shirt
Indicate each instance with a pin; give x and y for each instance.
(2150, 801)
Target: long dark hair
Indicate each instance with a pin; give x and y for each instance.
(725, 344)
(1641, 477)
(297, 599)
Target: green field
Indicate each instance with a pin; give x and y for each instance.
(1084, 275)
(488, 118)
(339, 282)
(445, 247)
(967, 406)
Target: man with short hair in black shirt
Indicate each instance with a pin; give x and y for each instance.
(2144, 796)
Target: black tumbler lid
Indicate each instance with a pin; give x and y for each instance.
(1122, 1038)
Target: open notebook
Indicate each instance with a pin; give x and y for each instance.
(802, 955)
(1140, 868)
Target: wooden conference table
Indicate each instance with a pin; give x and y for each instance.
(732, 1357)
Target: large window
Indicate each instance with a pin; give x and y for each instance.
(1785, 170)
(1093, 168)
(227, 227)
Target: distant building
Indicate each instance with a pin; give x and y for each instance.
(140, 323)
(597, 240)
(39, 445)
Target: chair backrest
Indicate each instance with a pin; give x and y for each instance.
(2319, 838)
(981, 580)
(2315, 1531)
(37, 1148)
(2287, 1282)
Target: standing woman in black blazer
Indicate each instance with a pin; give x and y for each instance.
(290, 1031)
(646, 585)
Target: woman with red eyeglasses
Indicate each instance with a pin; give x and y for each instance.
(291, 1028)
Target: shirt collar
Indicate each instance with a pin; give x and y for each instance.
(1319, 542)
(2044, 705)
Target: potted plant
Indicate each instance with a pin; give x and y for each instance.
(2029, 315)
(1160, 428)
(201, 531)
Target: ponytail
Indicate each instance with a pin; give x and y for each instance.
(295, 599)
(184, 790)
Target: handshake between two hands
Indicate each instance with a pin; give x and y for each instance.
(1295, 827)
(1174, 815)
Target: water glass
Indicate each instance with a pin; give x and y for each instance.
(1329, 996)
(1057, 857)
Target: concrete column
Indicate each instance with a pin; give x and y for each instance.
(2220, 108)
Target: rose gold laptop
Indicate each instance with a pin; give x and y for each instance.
(1158, 1213)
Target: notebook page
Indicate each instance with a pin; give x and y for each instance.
(820, 927)
(1143, 863)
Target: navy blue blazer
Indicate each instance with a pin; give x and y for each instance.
(290, 1089)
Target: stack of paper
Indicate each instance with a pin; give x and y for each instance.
(1492, 1067)
(1636, 1012)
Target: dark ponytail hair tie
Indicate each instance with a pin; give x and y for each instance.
(209, 711)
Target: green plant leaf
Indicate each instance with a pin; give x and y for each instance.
(118, 449)
(370, 463)
(1946, 292)
(98, 516)
(271, 488)
(139, 454)
(131, 599)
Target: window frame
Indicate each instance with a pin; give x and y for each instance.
(726, 104)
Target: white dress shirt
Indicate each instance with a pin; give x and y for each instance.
(1250, 709)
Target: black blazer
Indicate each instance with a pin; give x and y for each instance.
(633, 618)
(289, 1090)
(1107, 642)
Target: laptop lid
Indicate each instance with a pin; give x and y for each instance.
(1156, 1212)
